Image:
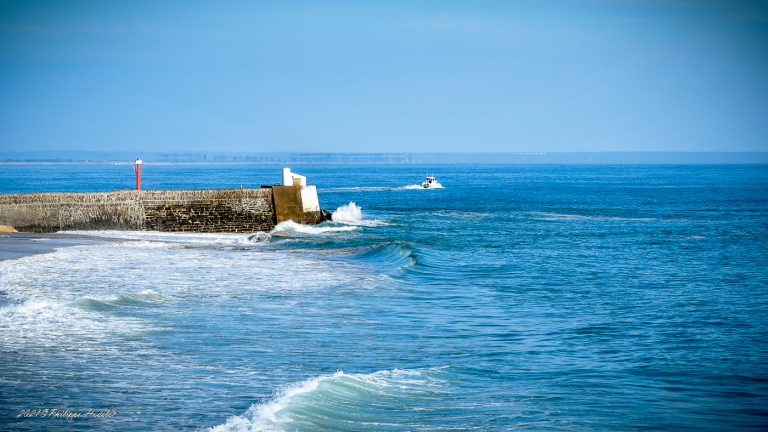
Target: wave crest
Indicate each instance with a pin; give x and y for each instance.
(342, 401)
(120, 300)
(388, 257)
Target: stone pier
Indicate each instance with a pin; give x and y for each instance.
(213, 210)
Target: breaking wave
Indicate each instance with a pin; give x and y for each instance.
(352, 214)
(347, 402)
(348, 213)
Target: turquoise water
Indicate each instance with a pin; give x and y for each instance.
(517, 297)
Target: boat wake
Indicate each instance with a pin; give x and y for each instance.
(383, 188)
(410, 187)
(359, 189)
(418, 186)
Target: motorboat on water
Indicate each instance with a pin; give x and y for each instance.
(431, 182)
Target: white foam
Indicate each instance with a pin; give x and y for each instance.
(288, 228)
(159, 238)
(45, 323)
(143, 244)
(89, 291)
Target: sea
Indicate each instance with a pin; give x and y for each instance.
(516, 297)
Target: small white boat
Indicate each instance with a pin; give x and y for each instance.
(431, 182)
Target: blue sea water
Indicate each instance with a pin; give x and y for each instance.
(580, 298)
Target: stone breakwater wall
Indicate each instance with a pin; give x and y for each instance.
(216, 210)
(238, 210)
(47, 212)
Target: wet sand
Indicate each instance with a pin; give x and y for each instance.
(17, 245)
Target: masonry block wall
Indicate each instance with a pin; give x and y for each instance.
(238, 210)
(235, 210)
(49, 212)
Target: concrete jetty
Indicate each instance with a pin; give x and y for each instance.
(209, 210)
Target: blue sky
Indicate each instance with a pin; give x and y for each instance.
(388, 76)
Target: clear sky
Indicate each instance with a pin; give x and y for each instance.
(386, 76)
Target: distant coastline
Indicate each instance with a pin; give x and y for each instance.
(207, 158)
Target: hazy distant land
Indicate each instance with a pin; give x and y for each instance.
(390, 158)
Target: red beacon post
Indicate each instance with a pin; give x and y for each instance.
(137, 170)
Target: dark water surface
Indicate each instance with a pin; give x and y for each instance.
(517, 297)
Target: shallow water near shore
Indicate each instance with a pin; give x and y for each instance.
(517, 297)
